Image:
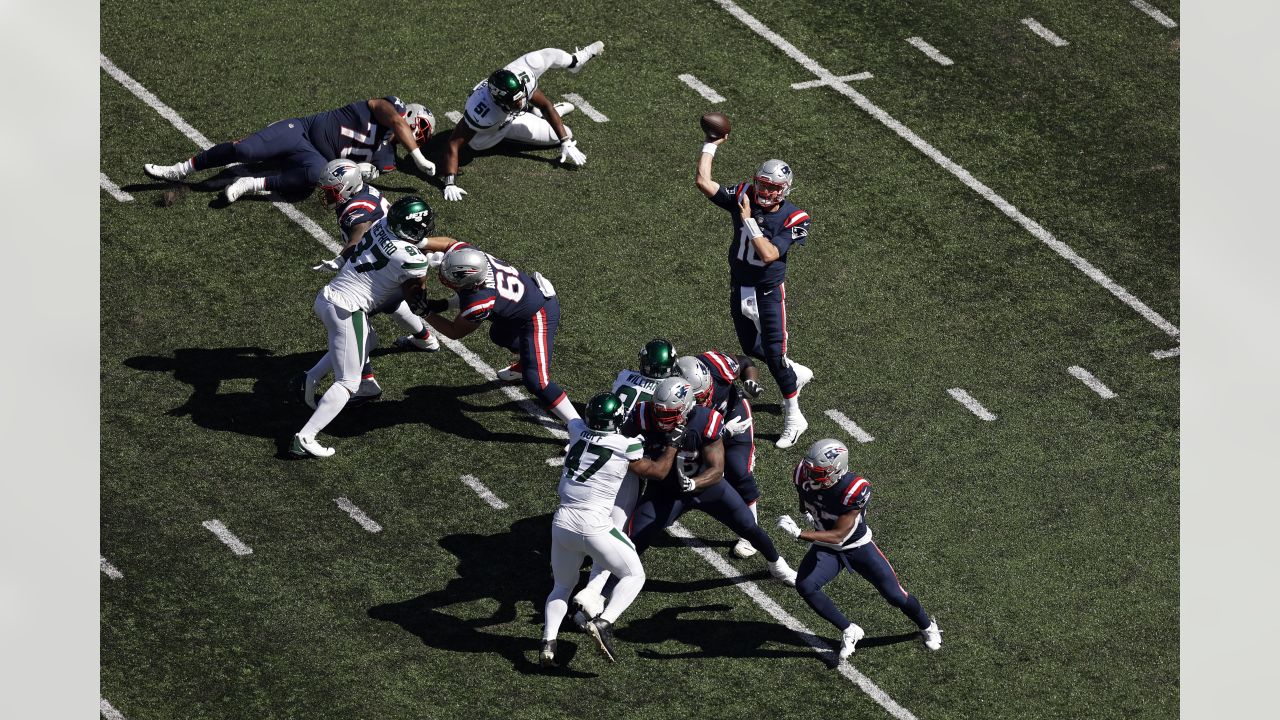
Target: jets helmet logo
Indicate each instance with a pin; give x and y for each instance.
(420, 215)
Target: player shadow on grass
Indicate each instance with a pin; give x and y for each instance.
(272, 407)
(509, 568)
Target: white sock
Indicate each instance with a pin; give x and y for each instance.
(791, 404)
(752, 507)
(407, 321)
(331, 403)
(186, 167)
(599, 577)
(565, 410)
(624, 593)
(556, 608)
(317, 373)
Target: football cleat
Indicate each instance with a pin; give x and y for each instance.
(602, 631)
(411, 342)
(793, 426)
(308, 447)
(369, 391)
(782, 571)
(743, 548)
(803, 374)
(932, 635)
(582, 55)
(564, 108)
(592, 603)
(547, 657)
(512, 373)
(849, 640)
(243, 186)
(172, 173)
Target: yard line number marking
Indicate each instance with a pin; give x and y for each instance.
(358, 515)
(485, 493)
(586, 108)
(975, 407)
(114, 189)
(108, 569)
(1043, 32)
(1155, 14)
(701, 88)
(1094, 383)
(850, 426)
(217, 528)
(930, 51)
(963, 175)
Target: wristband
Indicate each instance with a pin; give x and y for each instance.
(752, 227)
(448, 179)
(417, 155)
(709, 148)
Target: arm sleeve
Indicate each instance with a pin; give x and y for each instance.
(635, 448)
(478, 305)
(540, 61)
(726, 197)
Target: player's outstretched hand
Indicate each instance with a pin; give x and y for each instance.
(333, 265)
(422, 162)
(453, 193)
(789, 526)
(569, 150)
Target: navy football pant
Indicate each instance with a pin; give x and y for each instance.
(533, 341)
(768, 341)
(738, 460)
(821, 565)
(660, 507)
(285, 139)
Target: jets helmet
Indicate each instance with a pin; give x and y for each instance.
(421, 122)
(340, 181)
(507, 90)
(657, 358)
(692, 369)
(411, 219)
(772, 183)
(464, 268)
(605, 412)
(826, 462)
(672, 401)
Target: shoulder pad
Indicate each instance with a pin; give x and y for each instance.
(721, 365)
(397, 103)
(857, 494)
(796, 217)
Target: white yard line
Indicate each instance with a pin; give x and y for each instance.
(1155, 14)
(454, 116)
(974, 406)
(963, 175)
(108, 569)
(1094, 383)
(930, 51)
(485, 493)
(108, 712)
(358, 515)
(1171, 352)
(787, 620)
(701, 88)
(818, 83)
(114, 189)
(586, 107)
(217, 528)
(850, 426)
(1043, 32)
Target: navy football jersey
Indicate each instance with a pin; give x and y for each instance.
(788, 226)
(366, 206)
(702, 427)
(351, 132)
(507, 295)
(723, 369)
(850, 494)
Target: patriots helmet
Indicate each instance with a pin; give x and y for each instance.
(421, 122)
(464, 268)
(605, 412)
(340, 181)
(826, 462)
(507, 90)
(672, 401)
(692, 369)
(657, 358)
(411, 219)
(772, 183)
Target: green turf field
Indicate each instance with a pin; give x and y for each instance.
(1044, 541)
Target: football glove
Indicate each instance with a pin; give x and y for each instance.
(687, 484)
(333, 265)
(424, 305)
(422, 162)
(676, 436)
(368, 171)
(753, 388)
(737, 426)
(813, 523)
(789, 526)
(569, 149)
(453, 193)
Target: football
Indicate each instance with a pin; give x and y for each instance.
(715, 125)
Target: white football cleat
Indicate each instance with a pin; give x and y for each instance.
(793, 426)
(743, 548)
(172, 173)
(512, 373)
(410, 342)
(803, 374)
(308, 447)
(244, 186)
(369, 390)
(564, 108)
(591, 602)
(584, 54)
(849, 640)
(782, 571)
(932, 635)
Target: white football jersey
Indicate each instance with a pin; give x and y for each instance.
(594, 470)
(633, 388)
(483, 114)
(379, 265)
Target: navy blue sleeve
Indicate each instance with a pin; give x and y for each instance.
(727, 196)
